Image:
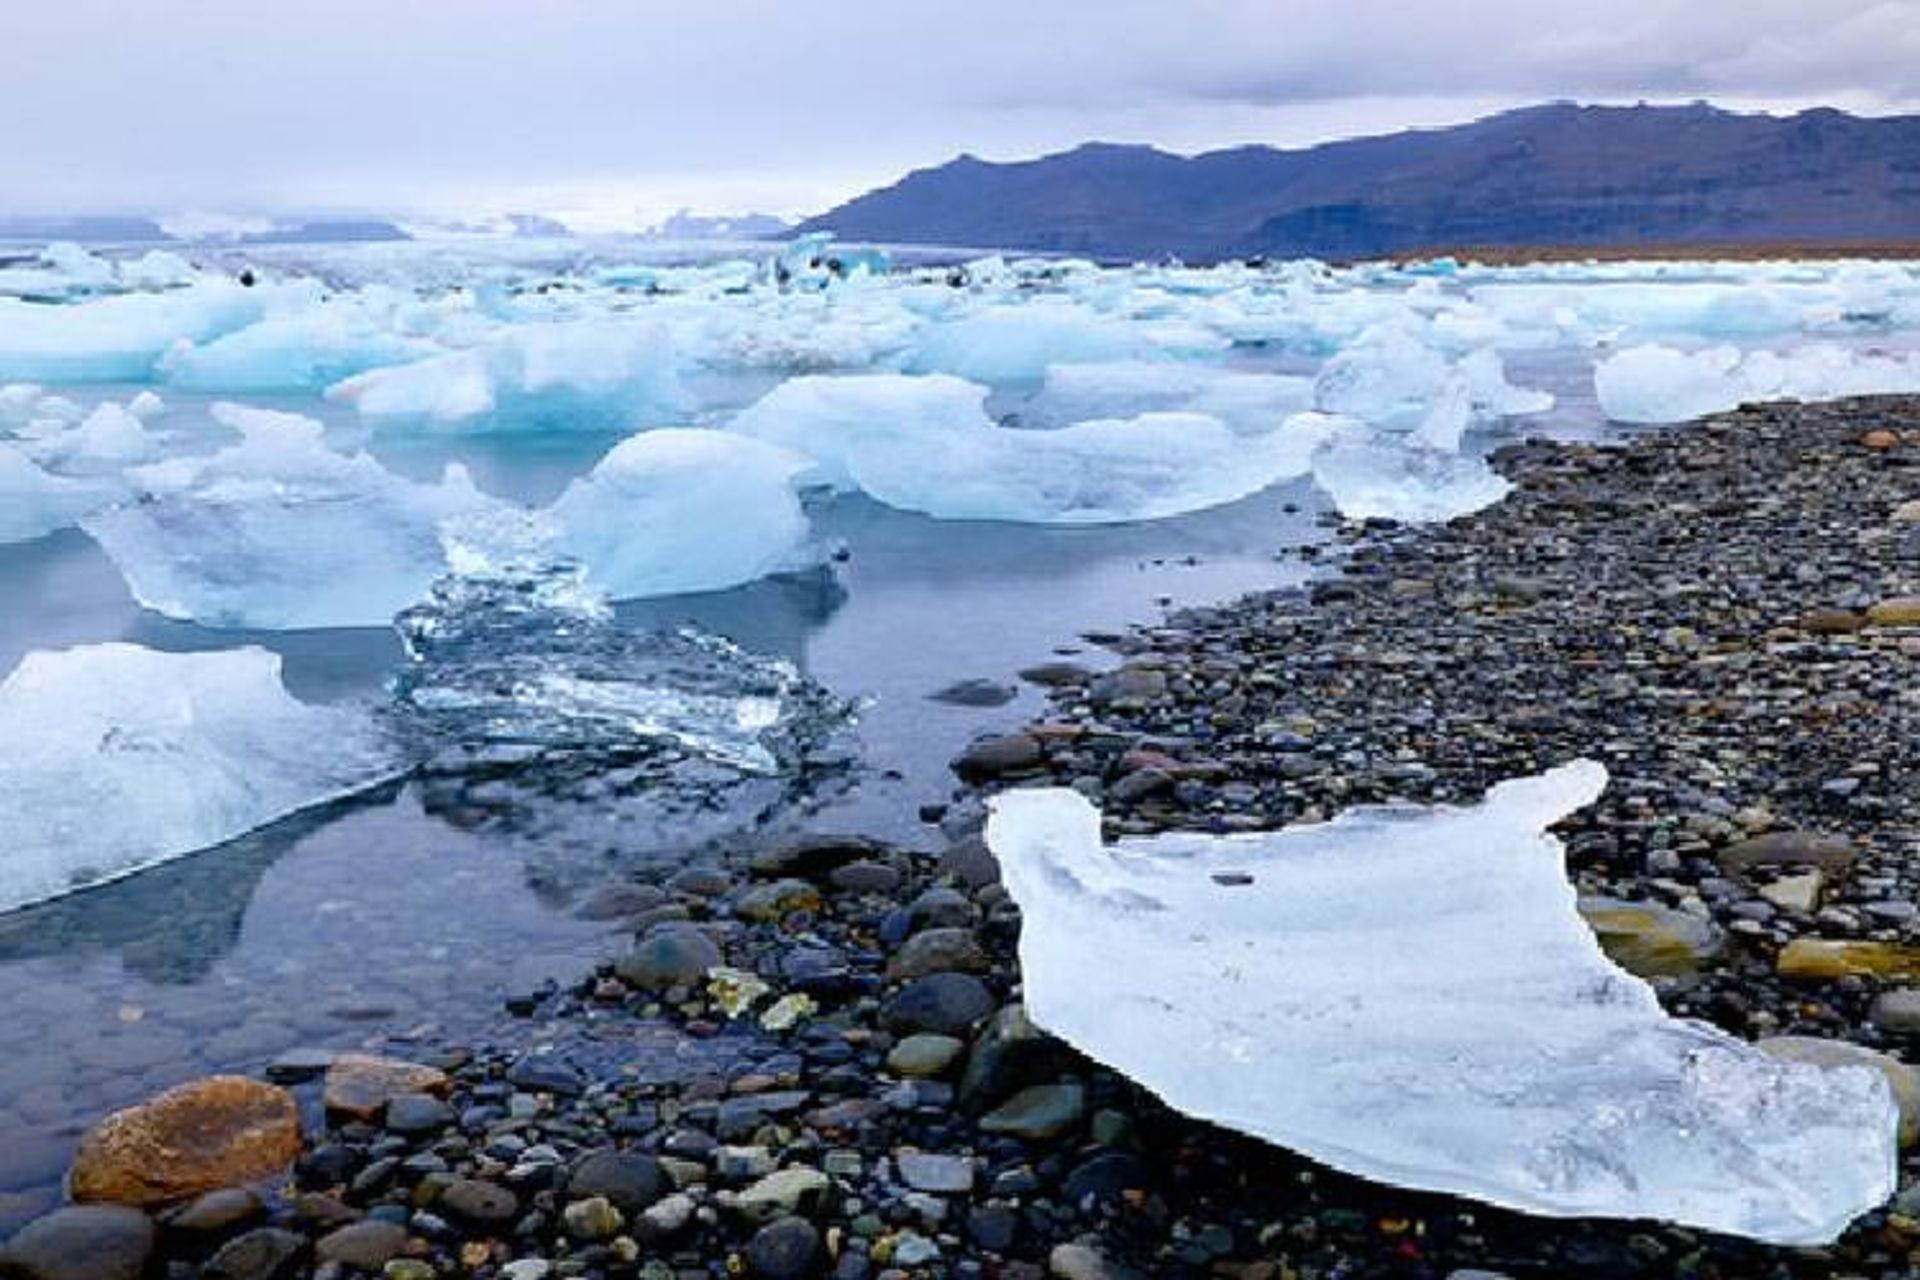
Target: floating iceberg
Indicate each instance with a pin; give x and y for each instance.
(1012, 344)
(1409, 995)
(308, 350)
(119, 757)
(926, 444)
(117, 339)
(34, 502)
(279, 531)
(679, 510)
(1250, 403)
(580, 374)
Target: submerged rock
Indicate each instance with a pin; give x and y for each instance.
(197, 1137)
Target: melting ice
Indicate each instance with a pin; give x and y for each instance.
(1410, 995)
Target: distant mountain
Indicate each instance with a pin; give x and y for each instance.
(91, 230)
(688, 225)
(1557, 174)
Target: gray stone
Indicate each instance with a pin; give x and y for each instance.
(1038, 1112)
(991, 757)
(482, 1203)
(925, 1055)
(592, 1219)
(937, 951)
(788, 1191)
(268, 1253)
(943, 1003)
(631, 1180)
(930, 1171)
(1898, 1011)
(81, 1242)
(366, 1244)
(786, 1249)
(415, 1113)
(670, 956)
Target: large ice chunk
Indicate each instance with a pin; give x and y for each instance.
(677, 510)
(927, 444)
(117, 339)
(580, 374)
(119, 757)
(1014, 343)
(280, 531)
(1654, 384)
(308, 350)
(1410, 995)
(1250, 403)
(1418, 479)
(34, 502)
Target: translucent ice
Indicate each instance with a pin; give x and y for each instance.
(927, 444)
(679, 510)
(1368, 475)
(531, 657)
(280, 531)
(1659, 384)
(1250, 403)
(1012, 344)
(34, 502)
(589, 374)
(119, 757)
(308, 350)
(118, 338)
(1410, 995)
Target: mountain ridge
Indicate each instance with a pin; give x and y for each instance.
(1553, 173)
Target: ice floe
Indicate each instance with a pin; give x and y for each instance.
(927, 444)
(677, 510)
(119, 757)
(279, 530)
(1410, 995)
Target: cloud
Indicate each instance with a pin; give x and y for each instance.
(617, 104)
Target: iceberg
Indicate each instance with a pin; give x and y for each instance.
(677, 510)
(1250, 403)
(279, 531)
(1012, 344)
(574, 374)
(1373, 477)
(119, 757)
(121, 338)
(1409, 995)
(34, 502)
(1656, 384)
(308, 350)
(926, 444)
(110, 437)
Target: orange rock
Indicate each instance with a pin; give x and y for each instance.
(218, 1132)
(1880, 438)
(359, 1085)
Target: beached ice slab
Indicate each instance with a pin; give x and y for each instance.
(1409, 995)
(119, 757)
(1657, 384)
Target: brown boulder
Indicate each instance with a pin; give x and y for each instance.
(1896, 611)
(197, 1137)
(359, 1085)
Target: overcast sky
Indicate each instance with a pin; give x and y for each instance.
(613, 112)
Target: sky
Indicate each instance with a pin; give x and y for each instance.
(613, 113)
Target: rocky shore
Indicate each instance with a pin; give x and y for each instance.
(813, 1061)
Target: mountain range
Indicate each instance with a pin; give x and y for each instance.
(1558, 174)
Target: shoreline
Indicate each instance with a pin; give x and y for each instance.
(1694, 605)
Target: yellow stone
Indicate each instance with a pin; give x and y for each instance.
(1899, 611)
(1832, 958)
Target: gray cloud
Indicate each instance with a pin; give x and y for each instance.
(601, 107)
